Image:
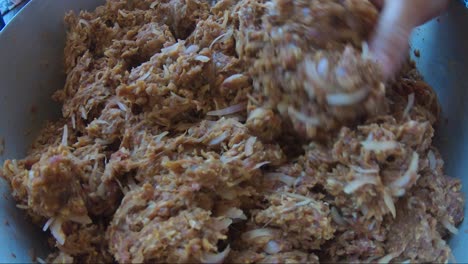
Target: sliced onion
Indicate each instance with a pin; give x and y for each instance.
(31, 175)
(379, 146)
(145, 76)
(432, 160)
(202, 58)
(236, 78)
(40, 260)
(159, 137)
(337, 218)
(356, 184)
(450, 227)
(312, 74)
(409, 106)
(258, 112)
(364, 171)
(345, 99)
(261, 164)
(386, 259)
(249, 146)
(235, 213)
(73, 120)
(82, 219)
(311, 121)
(389, 202)
(256, 233)
(366, 54)
(48, 223)
(154, 4)
(65, 136)
(122, 13)
(215, 258)
(275, 176)
(409, 174)
(272, 247)
(57, 232)
(84, 115)
(171, 48)
(225, 19)
(217, 140)
(228, 110)
(191, 49)
(218, 38)
(83, 22)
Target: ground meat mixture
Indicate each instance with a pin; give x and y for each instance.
(251, 131)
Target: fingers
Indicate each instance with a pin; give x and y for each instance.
(398, 18)
(390, 42)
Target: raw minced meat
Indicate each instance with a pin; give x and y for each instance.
(252, 131)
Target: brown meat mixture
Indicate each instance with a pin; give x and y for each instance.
(251, 131)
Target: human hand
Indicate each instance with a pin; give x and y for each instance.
(389, 44)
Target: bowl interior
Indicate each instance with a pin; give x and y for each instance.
(31, 48)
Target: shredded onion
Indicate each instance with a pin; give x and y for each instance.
(229, 33)
(202, 58)
(65, 136)
(366, 55)
(83, 22)
(236, 78)
(191, 49)
(378, 146)
(311, 121)
(153, 5)
(409, 174)
(432, 160)
(22, 206)
(171, 48)
(159, 137)
(258, 112)
(409, 106)
(272, 247)
(217, 140)
(215, 258)
(312, 74)
(256, 233)
(145, 76)
(47, 224)
(249, 146)
(226, 18)
(82, 219)
(345, 99)
(354, 185)
(73, 121)
(450, 227)
(261, 164)
(40, 260)
(122, 13)
(389, 202)
(84, 115)
(275, 176)
(235, 213)
(337, 217)
(364, 171)
(57, 232)
(121, 106)
(386, 259)
(228, 110)
(31, 175)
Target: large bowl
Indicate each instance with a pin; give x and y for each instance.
(31, 49)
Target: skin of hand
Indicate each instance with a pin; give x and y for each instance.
(389, 44)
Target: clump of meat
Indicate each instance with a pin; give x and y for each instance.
(308, 61)
(252, 131)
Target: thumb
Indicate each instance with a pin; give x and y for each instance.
(389, 45)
